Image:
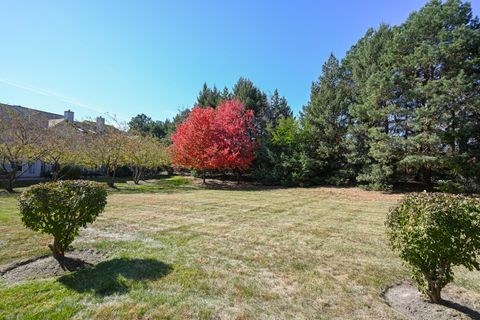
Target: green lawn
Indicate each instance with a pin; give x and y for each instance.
(181, 252)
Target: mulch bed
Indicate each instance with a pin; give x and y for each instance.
(47, 266)
(406, 299)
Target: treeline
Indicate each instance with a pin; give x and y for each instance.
(402, 107)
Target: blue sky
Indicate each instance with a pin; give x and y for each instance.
(152, 57)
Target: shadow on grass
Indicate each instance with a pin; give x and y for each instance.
(72, 264)
(234, 186)
(115, 276)
(461, 308)
(162, 185)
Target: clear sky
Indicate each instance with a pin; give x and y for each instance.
(152, 57)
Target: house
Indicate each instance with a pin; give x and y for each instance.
(38, 169)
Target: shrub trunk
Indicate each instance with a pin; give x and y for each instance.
(57, 250)
(434, 292)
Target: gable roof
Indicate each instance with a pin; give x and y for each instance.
(24, 110)
(43, 116)
(49, 119)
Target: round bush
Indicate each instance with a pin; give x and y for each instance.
(433, 232)
(61, 209)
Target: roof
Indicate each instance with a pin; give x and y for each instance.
(24, 110)
(49, 119)
(43, 116)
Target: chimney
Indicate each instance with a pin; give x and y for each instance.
(100, 123)
(68, 115)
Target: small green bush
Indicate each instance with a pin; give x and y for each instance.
(433, 232)
(61, 209)
(449, 186)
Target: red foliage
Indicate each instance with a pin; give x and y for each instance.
(192, 141)
(234, 127)
(215, 138)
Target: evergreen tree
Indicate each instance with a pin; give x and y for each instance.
(373, 148)
(326, 118)
(280, 108)
(285, 158)
(437, 62)
(209, 97)
(256, 100)
(140, 123)
(226, 95)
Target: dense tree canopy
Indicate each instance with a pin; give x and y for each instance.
(401, 107)
(404, 105)
(215, 139)
(20, 137)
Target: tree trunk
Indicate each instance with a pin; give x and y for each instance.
(238, 178)
(11, 177)
(55, 172)
(434, 292)
(136, 175)
(57, 251)
(110, 179)
(141, 175)
(9, 186)
(203, 176)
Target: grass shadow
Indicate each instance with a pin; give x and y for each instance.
(461, 308)
(115, 276)
(162, 185)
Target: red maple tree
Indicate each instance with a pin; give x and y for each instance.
(192, 141)
(234, 127)
(215, 139)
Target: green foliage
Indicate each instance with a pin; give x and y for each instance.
(70, 173)
(253, 99)
(434, 232)
(449, 186)
(279, 108)
(325, 119)
(61, 209)
(210, 98)
(403, 105)
(284, 157)
(146, 126)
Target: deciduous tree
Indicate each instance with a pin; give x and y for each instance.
(215, 139)
(144, 154)
(106, 149)
(234, 131)
(193, 141)
(20, 138)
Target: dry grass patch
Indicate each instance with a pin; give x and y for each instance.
(233, 254)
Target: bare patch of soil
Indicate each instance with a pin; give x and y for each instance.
(458, 303)
(47, 266)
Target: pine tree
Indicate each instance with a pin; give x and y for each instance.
(209, 98)
(256, 100)
(280, 108)
(437, 61)
(326, 118)
(373, 143)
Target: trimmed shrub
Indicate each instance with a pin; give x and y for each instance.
(433, 232)
(61, 209)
